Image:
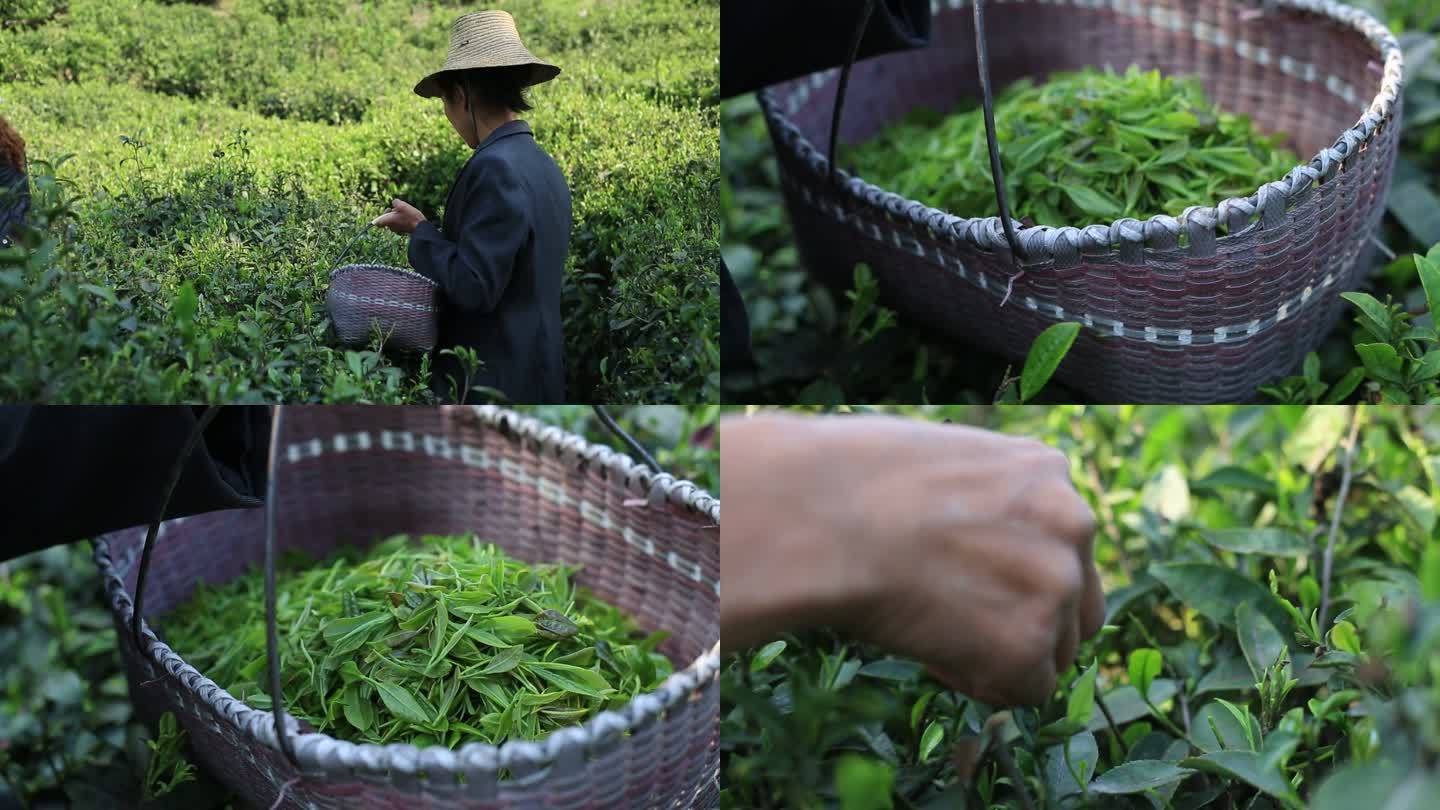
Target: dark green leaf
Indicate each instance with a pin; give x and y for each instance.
(1137, 777)
(1270, 541)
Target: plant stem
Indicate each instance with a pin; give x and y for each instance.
(1110, 720)
(1346, 469)
(1166, 721)
(1017, 779)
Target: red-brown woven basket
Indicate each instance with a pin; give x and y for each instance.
(1203, 307)
(648, 544)
(402, 304)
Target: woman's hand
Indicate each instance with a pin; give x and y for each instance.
(402, 218)
(966, 549)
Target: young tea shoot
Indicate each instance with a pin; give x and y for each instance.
(1082, 148)
(442, 642)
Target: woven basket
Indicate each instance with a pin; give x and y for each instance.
(403, 304)
(353, 475)
(1205, 307)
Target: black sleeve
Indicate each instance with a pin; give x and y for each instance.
(767, 41)
(474, 270)
(70, 473)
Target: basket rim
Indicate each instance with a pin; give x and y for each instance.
(1063, 244)
(383, 268)
(320, 753)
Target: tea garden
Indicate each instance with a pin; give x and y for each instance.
(200, 167)
(1272, 636)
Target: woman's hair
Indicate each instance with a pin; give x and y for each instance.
(12, 147)
(491, 87)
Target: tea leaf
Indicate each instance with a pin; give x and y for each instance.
(1144, 668)
(1261, 643)
(1081, 704)
(1214, 591)
(766, 655)
(575, 679)
(931, 739)
(1045, 356)
(892, 669)
(402, 703)
(1274, 542)
(1250, 767)
(1137, 777)
(864, 784)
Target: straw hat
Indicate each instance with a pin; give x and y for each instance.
(487, 39)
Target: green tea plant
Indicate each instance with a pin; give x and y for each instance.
(167, 768)
(442, 642)
(1079, 148)
(241, 156)
(1400, 357)
(1270, 640)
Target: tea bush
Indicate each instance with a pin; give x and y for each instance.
(800, 327)
(1272, 636)
(314, 96)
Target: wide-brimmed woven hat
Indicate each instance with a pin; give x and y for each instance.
(487, 39)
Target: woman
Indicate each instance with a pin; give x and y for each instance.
(14, 186)
(500, 256)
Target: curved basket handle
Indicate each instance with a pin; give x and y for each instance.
(636, 447)
(175, 471)
(272, 634)
(997, 171)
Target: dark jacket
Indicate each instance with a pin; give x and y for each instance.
(500, 262)
(14, 202)
(763, 42)
(73, 472)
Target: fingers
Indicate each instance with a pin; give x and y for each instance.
(1092, 600)
(1069, 637)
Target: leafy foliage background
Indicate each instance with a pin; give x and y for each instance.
(1213, 524)
(816, 345)
(239, 145)
(66, 729)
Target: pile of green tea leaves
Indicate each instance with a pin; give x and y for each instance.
(1080, 148)
(442, 642)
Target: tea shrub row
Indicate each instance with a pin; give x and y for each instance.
(262, 132)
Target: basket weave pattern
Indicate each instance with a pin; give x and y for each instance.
(355, 475)
(403, 304)
(1202, 307)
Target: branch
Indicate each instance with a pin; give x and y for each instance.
(1346, 469)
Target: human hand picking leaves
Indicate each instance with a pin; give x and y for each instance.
(402, 218)
(968, 550)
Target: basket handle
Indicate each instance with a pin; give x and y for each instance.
(997, 171)
(636, 447)
(176, 470)
(271, 637)
(272, 633)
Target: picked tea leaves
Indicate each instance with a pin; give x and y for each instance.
(445, 641)
(1082, 148)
